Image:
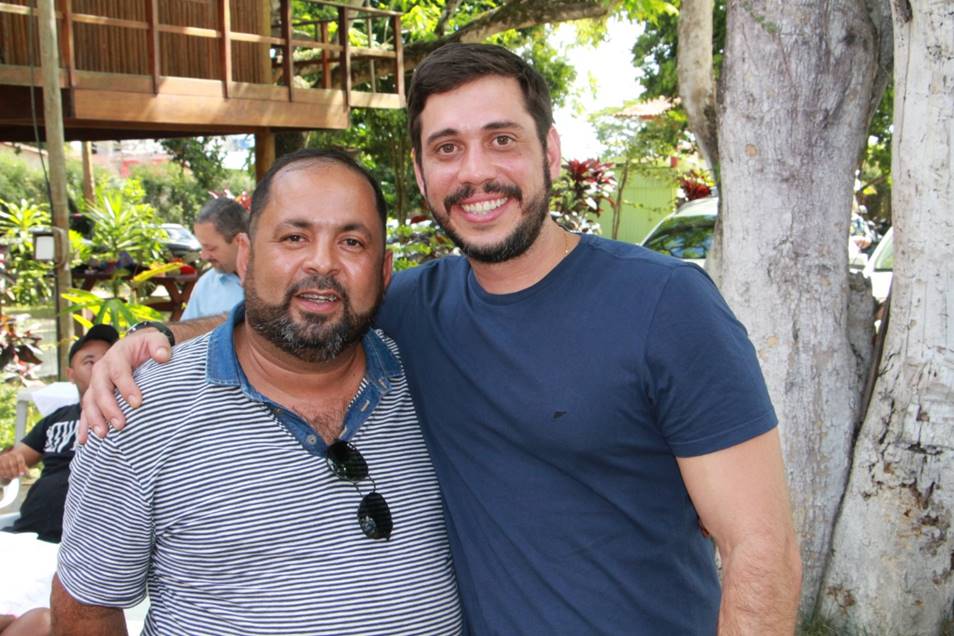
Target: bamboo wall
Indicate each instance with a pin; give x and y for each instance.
(112, 49)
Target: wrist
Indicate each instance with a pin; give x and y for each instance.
(158, 326)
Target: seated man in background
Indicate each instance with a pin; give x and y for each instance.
(28, 566)
(219, 289)
(52, 440)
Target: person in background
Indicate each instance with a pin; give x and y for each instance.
(219, 289)
(52, 440)
(23, 588)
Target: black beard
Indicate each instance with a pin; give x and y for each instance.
(318, 339)
(519, 241)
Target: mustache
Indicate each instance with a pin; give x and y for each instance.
(490, 187)
(316, 281)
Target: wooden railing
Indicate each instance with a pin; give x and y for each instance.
(279, 55)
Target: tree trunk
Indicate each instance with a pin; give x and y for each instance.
(891, 572)
(696, 82)
(797, 83)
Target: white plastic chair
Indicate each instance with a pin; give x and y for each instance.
(10, 491)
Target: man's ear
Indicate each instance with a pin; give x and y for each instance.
(69, 373)
(554, 157)
(241, 258)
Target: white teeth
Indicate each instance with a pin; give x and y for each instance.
(322, 298)
(484, 206)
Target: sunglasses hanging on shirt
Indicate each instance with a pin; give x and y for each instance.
(347, 464)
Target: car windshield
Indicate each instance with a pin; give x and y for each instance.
(683, 237)
(177, 233)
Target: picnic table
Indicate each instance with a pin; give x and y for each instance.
(177, 286)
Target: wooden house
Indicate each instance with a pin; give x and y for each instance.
(133, 69)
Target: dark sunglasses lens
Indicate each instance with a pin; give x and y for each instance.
(375, 517)
(346, 462)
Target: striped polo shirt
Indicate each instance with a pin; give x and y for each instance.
(220, 503)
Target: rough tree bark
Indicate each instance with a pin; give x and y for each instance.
(891, 571)
(696, 81)
(797, 84)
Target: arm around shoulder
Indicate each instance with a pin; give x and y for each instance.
(741, 496)
(72, 618)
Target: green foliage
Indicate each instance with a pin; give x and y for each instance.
(638, 146)
(379, 139)
(201, 155)
(654, 53)
(579, 194)
(875, 172)
(8, 414)
(417, 242)
(125, 224)
(20, 180)
(171, 190)
(27, 282)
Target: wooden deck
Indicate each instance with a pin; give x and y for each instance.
(163, 68)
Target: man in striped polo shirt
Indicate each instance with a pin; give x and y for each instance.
(277, 482)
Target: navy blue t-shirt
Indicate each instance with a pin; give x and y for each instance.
(554, 417)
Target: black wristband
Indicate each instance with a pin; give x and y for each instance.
(158, 326)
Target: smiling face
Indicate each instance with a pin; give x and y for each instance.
(483, 170)
(218, 252)
(316, 268)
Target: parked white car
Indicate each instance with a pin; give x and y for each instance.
(880, 267)
(687, 234)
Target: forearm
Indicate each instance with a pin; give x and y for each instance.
(72, 618)
(15, 461)
(188, 329)
(761, 589)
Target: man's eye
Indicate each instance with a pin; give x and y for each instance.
(293, 238)
(446, 149)
(353, 242)
(503, 140)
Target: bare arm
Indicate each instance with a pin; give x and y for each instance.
(72, 618)
(742, 500)
(15, 461)
(114, 371)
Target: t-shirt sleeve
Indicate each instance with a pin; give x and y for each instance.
(107, 538)
(194, 306)
(36, 437)
(396, 298)
(707, 386)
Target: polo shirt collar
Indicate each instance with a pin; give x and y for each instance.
(223, 368)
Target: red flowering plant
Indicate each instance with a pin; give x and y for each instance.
(695, 185)
(579, 193)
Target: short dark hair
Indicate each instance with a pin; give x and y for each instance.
(315, 155)
(454, 65)
(226, 215)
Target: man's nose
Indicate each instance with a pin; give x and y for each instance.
(322, 257)
(476, 166)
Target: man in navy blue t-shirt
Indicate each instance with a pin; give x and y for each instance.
(594, 411)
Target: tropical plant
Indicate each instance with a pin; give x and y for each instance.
(125, 229)
(579, 193)
(25, 277)
(121, 312)
(417, 241)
